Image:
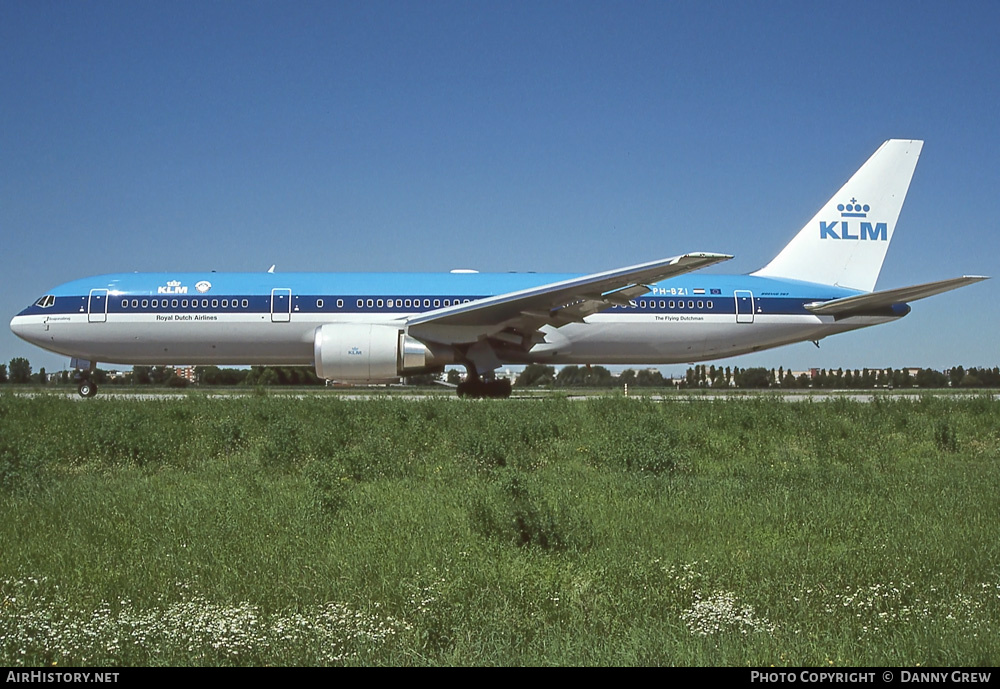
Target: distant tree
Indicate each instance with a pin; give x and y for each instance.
(176, 381)
(208, 375)
(867, 379)
(929, 378)
(650, 378)
(3, 373)
(20, 371)
(42, 377)
(140, 375)
(534, 375)
(788, 381)
(971, 380)
(690, 378)
(266, 376)
(454, 377)
(753, 378)
(599, 377)
(569, 376)
(955, 376)
(158, 375)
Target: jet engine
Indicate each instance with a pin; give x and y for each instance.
(369, 352)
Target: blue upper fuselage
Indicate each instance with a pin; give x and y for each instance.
(383, 292)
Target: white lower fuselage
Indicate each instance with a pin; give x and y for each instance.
(194, 338)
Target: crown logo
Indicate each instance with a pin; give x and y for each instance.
(173, 283)
(853, 209)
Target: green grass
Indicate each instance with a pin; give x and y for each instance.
(274, 530)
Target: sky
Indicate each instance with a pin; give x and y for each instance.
(526, 136)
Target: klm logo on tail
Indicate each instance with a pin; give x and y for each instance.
(864, 230)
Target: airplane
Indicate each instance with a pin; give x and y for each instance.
(379, 327)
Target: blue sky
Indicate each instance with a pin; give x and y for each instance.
(544, 136)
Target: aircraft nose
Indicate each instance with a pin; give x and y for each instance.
(19, 326)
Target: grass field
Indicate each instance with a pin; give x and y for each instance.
(271, 530)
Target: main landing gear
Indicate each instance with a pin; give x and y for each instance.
(476, 387)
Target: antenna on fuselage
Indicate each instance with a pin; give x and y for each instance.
(271, 269)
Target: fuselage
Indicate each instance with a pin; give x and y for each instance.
(272, 318)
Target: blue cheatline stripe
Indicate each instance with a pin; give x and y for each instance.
(257, 304)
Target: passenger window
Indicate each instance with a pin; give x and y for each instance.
(340, 303)
(371, 303)
(184, 303)
(427, 303)
(701, 304)
(225, 304)
(388, 303)
(145, 303)
(437, 303)
(663, 304)
(690, 304)
(709, 304)
(135, 303)
(380, 303)
(671, 304)
(173, 303)
(361, 302)
(319, 303)
(246, 303)
(680, 305)
(215, 303)
(156, 303)
(204, 303)
(124, 303)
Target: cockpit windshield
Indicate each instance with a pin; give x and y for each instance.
(46, 301)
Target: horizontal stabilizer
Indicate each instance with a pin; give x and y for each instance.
(866, 303)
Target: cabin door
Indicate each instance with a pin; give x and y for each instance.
(97, 306)
(744, 306)
(281, 305)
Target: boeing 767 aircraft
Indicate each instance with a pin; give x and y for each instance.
(368, 327)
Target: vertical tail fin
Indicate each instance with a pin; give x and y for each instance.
(845, 243)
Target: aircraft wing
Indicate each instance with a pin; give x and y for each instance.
(868, 303)
(523, 312)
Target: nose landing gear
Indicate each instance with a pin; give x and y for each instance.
(84, 378)
(86, 388)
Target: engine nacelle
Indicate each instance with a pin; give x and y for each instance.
(368, 352)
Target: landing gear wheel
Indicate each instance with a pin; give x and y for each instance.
(477, 388)
(87, 388)
(500, 388)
